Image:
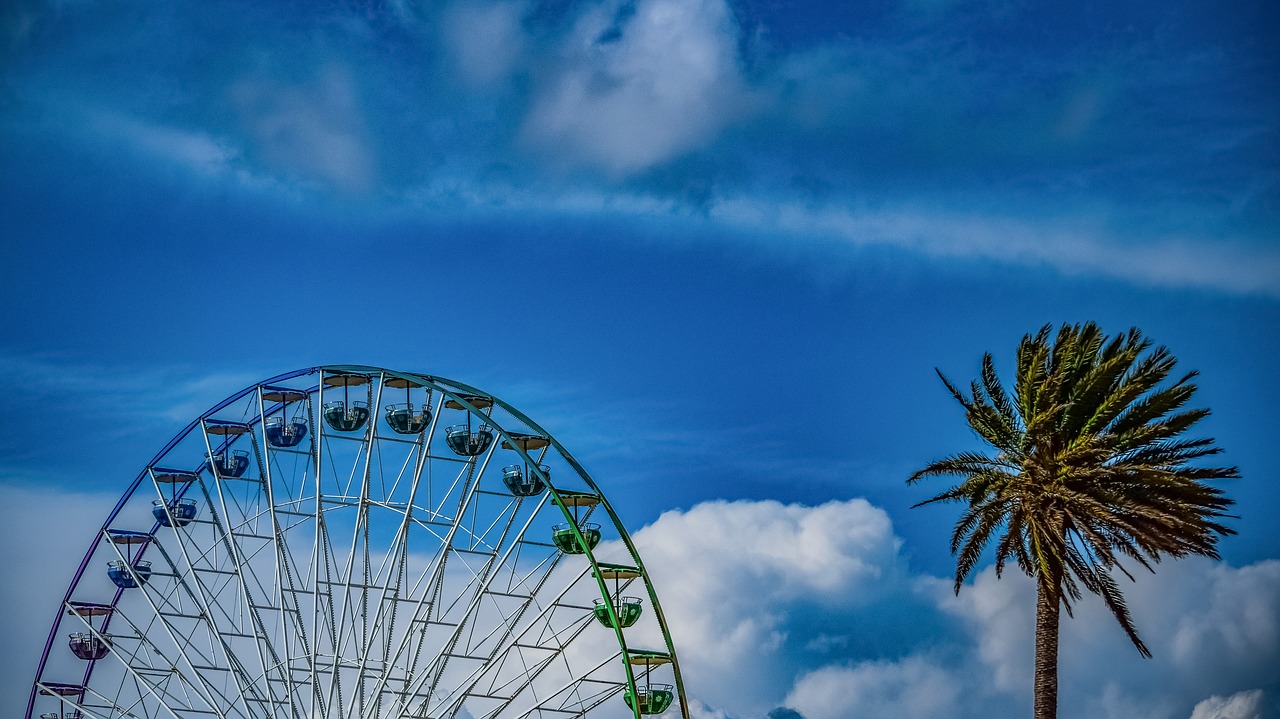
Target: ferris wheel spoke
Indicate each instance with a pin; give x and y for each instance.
(390, 598)
(604, 690)
(292, 629)
(483, 583)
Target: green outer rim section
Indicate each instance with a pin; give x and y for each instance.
(455, 390)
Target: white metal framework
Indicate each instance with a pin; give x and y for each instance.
(350, 541)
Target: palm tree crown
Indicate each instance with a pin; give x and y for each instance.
(1089, 467)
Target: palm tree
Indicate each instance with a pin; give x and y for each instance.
(1089, 467)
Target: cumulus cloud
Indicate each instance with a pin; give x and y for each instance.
(1000, 614)
(733, 577)
(640, 84)
(771, 607)
(1241, 622)
(1241, 705)
(782, 610)
(1211, 628)
(913, 687)
(742, 583)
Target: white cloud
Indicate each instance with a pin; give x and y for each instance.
(197, 150)
(1241, 705)
(913, 687)
(1001, 616)
(733, 576)
(1211, 627)
(640, 89)
(1080, 245)
(1241, 622)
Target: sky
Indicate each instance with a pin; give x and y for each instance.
(717, 247)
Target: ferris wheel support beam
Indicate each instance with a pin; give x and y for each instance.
(284, 577)
(359, 536)
(428, 671)
(265, 457)
(482, 588)
(401, 547)
(470, 492)
(570, 685)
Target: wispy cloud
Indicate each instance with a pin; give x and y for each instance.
(640, 84)
(1071, 246)
(312, 130)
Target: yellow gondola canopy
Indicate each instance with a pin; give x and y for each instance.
(402, 383)
(172, 476)
(121, 536)
(282, 394)
(344, 379)
(225, 428)
(578, 499)
(646, 658)
(478, 401)
(617, 571)
(527, 442)
(89, 609)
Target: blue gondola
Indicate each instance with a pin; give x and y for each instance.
(283, 432)
(524, 485)
(230, 463)
(118, 571)
(346, 416)
(182, 511)
(404, 419)
(466, 442)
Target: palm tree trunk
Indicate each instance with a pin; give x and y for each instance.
(1046, 687)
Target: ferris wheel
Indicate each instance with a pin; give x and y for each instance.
(350, 541)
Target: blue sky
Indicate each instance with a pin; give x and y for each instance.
(717, 247)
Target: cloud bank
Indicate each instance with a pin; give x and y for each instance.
(741, 583)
